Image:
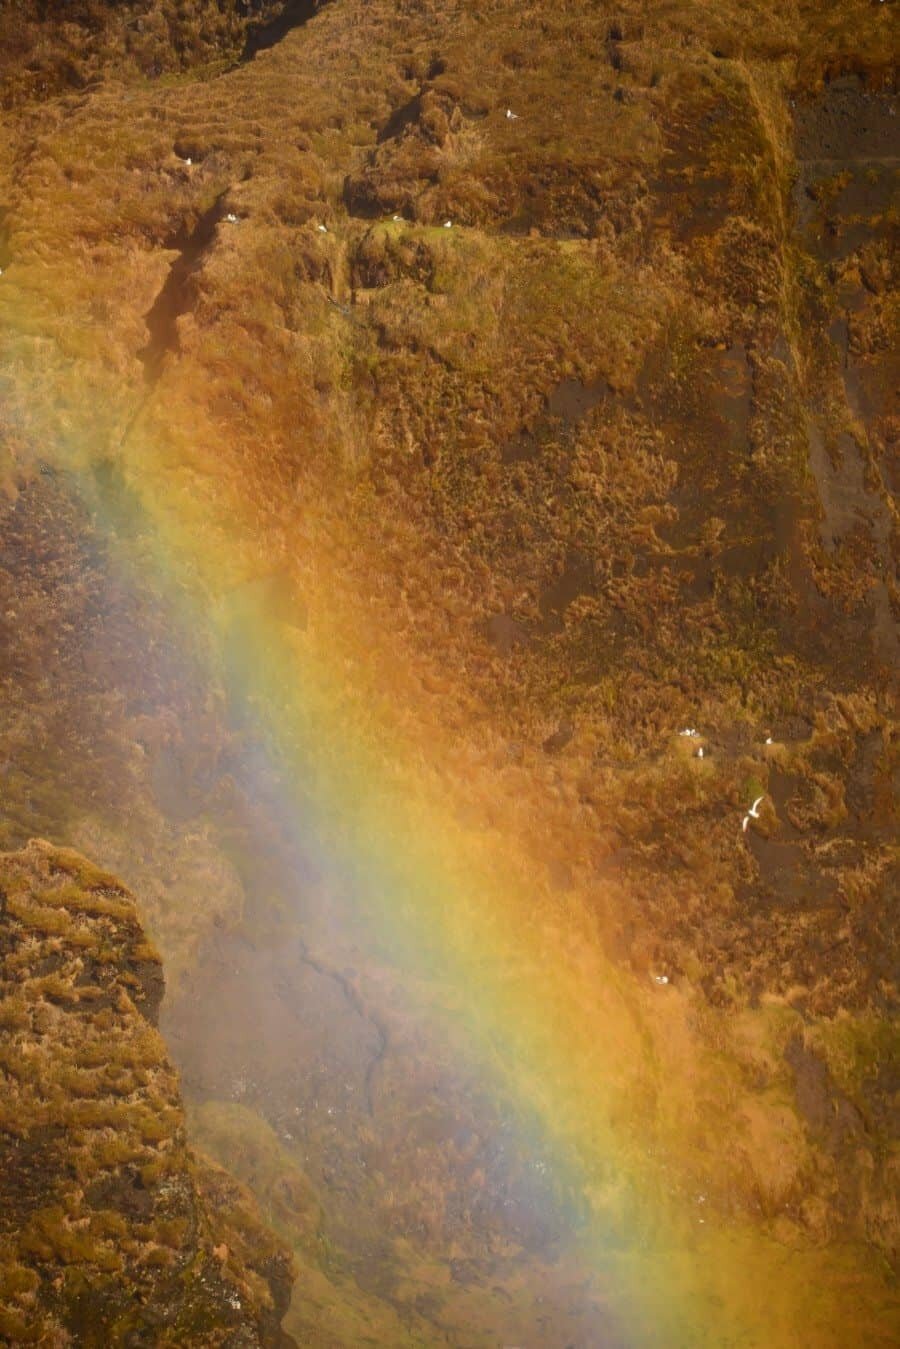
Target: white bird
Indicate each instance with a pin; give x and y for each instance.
(769, 740)
(398, 217)
(752, 813)
(513, 116)
(448, 224)
(188, 161)
(231, 218)
(689, 730)
(660, 978)
(323, 229)
(699, 754)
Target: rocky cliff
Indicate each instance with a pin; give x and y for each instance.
(496, 401)
(112, 1232)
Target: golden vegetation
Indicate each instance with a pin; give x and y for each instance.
(388, 434)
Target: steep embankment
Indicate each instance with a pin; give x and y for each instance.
(111, 1230)
(378, 563)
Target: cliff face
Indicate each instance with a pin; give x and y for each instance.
(523, 375)
(111, 1230)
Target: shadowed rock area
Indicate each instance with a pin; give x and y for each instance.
(48, 47)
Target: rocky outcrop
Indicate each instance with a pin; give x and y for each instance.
(111, 1231)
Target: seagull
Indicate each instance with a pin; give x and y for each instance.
(752, 813)
(660, 978)
(397, 217)
(323, 229)
(512, 116)
(769, 740)
(448, 224)
(231, 218)
(688, 730)
(187, 160)
(699, 754)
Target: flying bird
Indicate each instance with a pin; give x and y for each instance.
(752, 813)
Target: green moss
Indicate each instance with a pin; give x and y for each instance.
(859, 1050)
(17, 1327)
(79, 899)
(16, 1278)
(48, 1236)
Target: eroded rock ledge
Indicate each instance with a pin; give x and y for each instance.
(111, 1230)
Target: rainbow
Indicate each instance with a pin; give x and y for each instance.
(442, 844)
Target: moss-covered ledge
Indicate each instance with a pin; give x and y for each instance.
(111, 1230)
